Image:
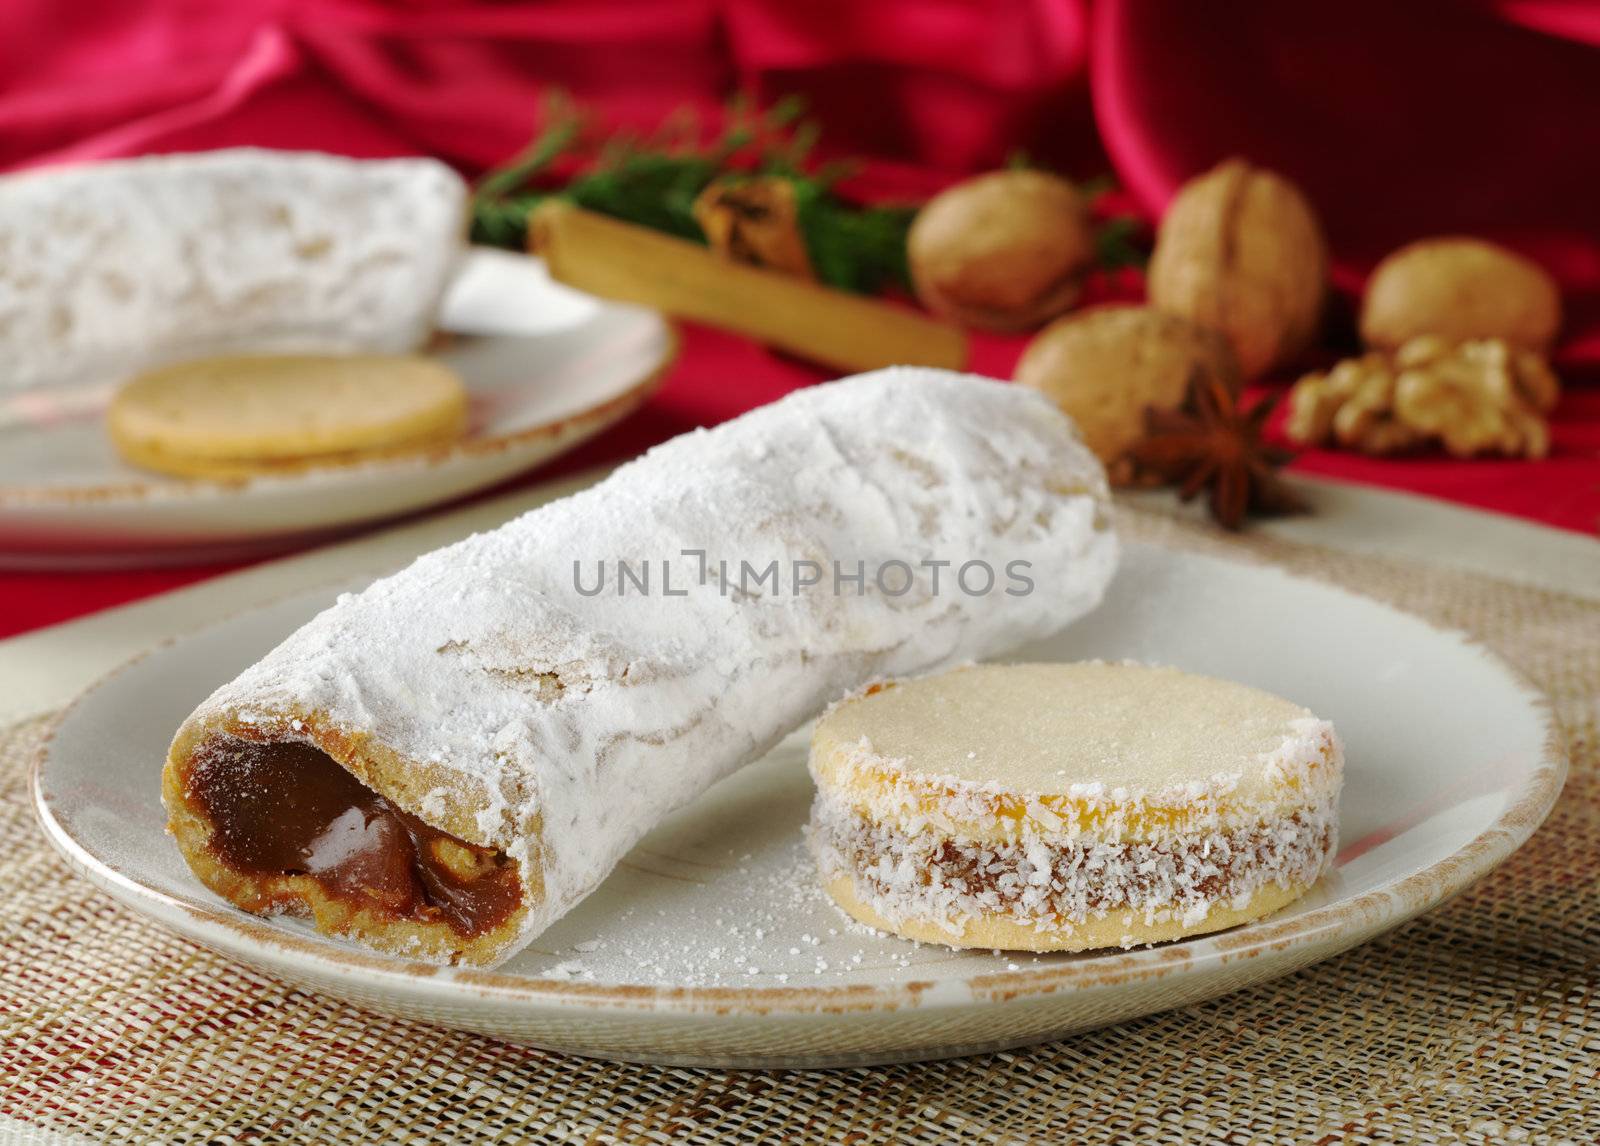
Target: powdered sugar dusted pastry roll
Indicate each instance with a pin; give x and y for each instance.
(445, 763)
(112, 267)
(1058, 807)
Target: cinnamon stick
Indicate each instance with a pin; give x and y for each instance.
(621, 261)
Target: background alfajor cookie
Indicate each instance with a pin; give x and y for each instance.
(243, 416)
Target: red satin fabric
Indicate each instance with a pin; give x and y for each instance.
(1399, 119)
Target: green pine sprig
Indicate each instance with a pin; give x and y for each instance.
(653, 181)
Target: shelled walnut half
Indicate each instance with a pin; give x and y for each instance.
(1479, 397)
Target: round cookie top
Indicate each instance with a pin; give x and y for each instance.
(276, 408)
(1086, 739)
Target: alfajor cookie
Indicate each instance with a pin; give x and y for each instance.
(1060, 807)
(244, 416)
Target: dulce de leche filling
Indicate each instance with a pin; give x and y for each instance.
(288, 809)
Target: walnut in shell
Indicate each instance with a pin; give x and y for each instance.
(1461, 289)
(1104, 367)
(1005, 251)
(1481, 397)
(1241, 251)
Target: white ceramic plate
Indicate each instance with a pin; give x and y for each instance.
(711, 944)
(545, 366)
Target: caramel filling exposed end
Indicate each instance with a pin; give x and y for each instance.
(288, 809)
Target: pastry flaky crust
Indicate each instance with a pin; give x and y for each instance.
(519, 691)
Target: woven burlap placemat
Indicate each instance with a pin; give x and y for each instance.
(1479, 1022)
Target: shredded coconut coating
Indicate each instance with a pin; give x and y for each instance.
(108, 268)
(1053, 883)
(480, 690)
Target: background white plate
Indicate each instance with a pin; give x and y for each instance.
(545, 366)
(711, 944)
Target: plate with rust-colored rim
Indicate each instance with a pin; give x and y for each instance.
(712, 944)
(546, 368)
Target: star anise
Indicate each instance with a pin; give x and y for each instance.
(1209, 443)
